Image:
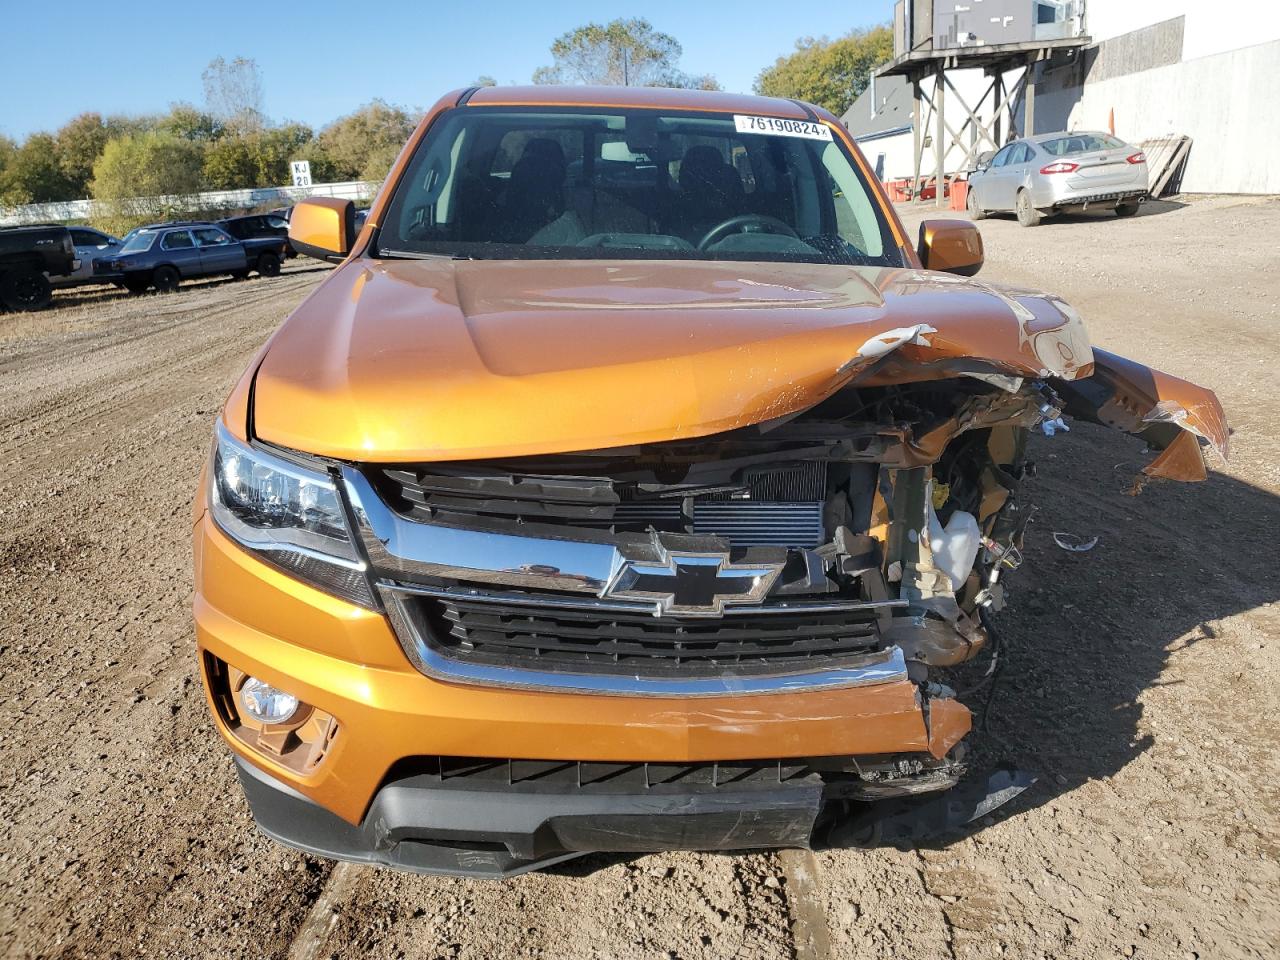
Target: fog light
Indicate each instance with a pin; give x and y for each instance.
(265, 703)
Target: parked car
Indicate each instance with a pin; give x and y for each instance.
(91, 245)
(617, 513)
(163, 256)
(259, 226)
(29, 256)
(1060, 173)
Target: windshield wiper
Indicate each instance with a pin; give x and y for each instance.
(416, 255)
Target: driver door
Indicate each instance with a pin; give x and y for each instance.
(218, 252)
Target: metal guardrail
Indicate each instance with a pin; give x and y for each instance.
(210, 200)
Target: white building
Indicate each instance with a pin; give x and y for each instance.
(1154, 67)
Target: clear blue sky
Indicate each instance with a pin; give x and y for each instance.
(320, 60)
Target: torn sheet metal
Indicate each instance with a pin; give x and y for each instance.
(1158, 407)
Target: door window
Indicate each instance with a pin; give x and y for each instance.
(1003, 156)
(211, 237)
(177, 240)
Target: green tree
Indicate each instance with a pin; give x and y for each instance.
(80, 143)
(363, 145)
(229, 164)
(189, 123)
(830, 73)
(148, 165)
(8, 149)
(620, 53)
(33, 174)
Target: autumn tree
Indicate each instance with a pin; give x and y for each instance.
(830, 73)
(364, 144)
(620, 53)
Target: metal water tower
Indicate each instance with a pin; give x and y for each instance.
(932, 37)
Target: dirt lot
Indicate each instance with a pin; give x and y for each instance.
(1143, 681)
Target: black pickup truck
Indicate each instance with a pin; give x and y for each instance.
(27, 254)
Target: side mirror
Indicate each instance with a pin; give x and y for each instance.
(324, 228)
(952, 246)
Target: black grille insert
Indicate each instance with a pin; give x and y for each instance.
(586, 638)
(778, 505)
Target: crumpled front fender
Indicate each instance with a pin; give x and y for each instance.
(1167, 412)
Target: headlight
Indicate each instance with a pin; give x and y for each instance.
(288, 515)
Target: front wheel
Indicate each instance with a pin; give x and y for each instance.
(1126, 209)
(268, 265)
(165, 279)
(1028, 215)
(972, 206)
(25, 290)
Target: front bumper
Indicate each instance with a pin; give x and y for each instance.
(389, 714)
(421, 825)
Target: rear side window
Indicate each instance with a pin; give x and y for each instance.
(178, 240)
(1080, 143)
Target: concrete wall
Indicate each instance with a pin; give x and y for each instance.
(67, 210)
(1224, 102)
(1212, 26)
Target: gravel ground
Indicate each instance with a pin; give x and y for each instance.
(1141, 685)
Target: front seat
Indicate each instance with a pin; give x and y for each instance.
(710, 191)
(535, 193)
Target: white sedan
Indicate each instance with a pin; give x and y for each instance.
(1060, 173)
(90, 245)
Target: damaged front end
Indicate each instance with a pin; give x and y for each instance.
(861, 541)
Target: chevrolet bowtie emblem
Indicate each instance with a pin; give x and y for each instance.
(691, 584)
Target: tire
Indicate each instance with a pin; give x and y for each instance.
(137, 284)
(1028, 216)
(268, 265)
(166, 279)
(25, 289)
(971, 206)
(1126, 209)
(240, 275)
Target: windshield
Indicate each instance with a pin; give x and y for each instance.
(139, 242)
(510, 183)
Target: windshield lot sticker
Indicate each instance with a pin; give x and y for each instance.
(779, 127)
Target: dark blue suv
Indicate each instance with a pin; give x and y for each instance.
(163, 255)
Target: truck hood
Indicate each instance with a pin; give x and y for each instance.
(397, 361)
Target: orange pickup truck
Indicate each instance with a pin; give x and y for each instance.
(634, 483)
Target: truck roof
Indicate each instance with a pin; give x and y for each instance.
(641, 97)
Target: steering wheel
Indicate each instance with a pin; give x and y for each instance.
(736, 224)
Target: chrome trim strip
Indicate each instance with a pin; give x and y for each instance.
(471, 595)
(395, 545)
(886, 666)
